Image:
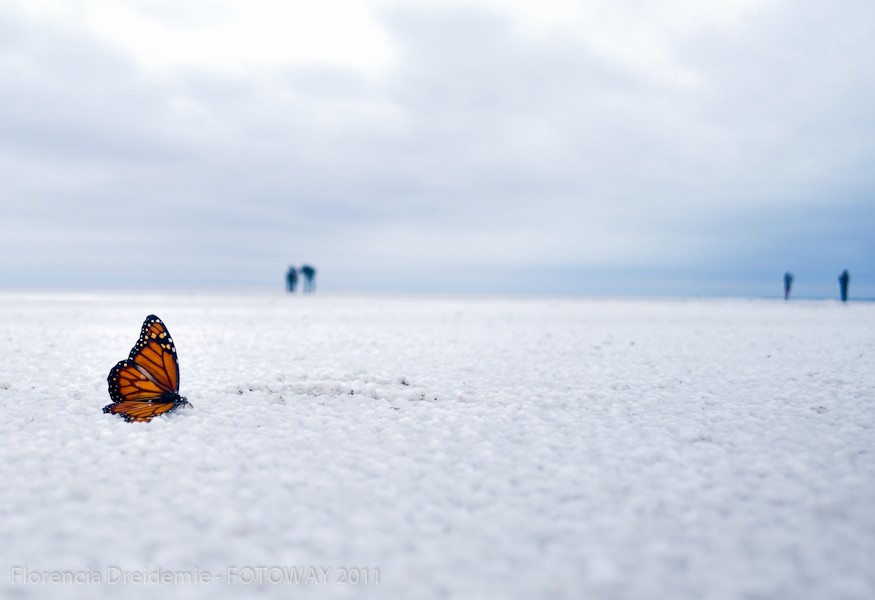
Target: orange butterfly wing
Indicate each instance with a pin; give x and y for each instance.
(146, 384)
(155, 352)
(139, 412)
(127, 382)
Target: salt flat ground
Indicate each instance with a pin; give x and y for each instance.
(443, 447)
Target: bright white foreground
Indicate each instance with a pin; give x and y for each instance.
(476, 448)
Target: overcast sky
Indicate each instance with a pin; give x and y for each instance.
(599, 147)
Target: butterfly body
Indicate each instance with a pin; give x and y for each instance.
(146, 384)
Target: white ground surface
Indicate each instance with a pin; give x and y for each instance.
(471, 448)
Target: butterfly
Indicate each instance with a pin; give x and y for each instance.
(146, 384)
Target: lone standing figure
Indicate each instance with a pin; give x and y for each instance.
(844, 278)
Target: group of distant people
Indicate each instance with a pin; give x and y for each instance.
(844, 278)
(309, 275)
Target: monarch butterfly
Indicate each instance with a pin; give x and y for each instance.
(146, 384)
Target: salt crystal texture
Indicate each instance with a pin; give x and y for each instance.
(456, 447)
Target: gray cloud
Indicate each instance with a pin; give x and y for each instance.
(482, 160)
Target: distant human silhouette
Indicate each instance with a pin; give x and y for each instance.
(844, 278)
(291, 280)
(788, 282)
(309, 274)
